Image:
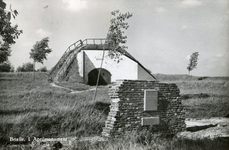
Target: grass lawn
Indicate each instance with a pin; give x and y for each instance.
(36, 109)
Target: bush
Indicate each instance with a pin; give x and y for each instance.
(42, 69)
(27, 67)
(19, 69)
(200, 95)
(6, 67)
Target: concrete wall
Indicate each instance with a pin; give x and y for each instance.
(79, 58)
(128, 112)
(91, 59)
(143, 74)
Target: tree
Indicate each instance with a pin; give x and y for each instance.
(115, 36)
(12, 69)
(40, 51)
(4, 52)
(19, 69)
(27, 67)
(193, 61)
(8, 32)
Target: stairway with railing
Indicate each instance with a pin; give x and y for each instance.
(60, 69)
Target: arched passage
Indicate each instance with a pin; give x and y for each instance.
(104, 78)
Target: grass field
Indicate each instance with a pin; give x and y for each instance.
(202, 98)
(36, 109)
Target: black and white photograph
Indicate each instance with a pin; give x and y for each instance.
(114, 74)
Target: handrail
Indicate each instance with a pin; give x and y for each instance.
(63, 56)
(94, 41)
(68, 60)
(75, 45)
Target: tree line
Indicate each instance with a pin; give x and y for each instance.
(8, 35)
(26, 67)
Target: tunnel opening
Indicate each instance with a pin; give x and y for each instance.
(104, 78)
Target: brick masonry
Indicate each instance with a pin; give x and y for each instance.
(127, 108)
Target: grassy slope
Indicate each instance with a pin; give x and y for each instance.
(72, 79)
(31, 108)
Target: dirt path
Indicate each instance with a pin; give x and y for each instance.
(72, 91)
(54, 85)
(206, 128)
(92, 89)
(201, 122)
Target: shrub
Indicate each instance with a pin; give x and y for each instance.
(6, 67)
(27, 67)
(200, 95)
(42, 69)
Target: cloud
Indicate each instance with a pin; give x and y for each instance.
(191, 3)
(160, 10)
(42, 33)
(75, 5)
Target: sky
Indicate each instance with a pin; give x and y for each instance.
(161, 35)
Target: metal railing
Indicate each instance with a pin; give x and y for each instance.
(65, 55)
(94, 41)
(64, 60)
(65, 65)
